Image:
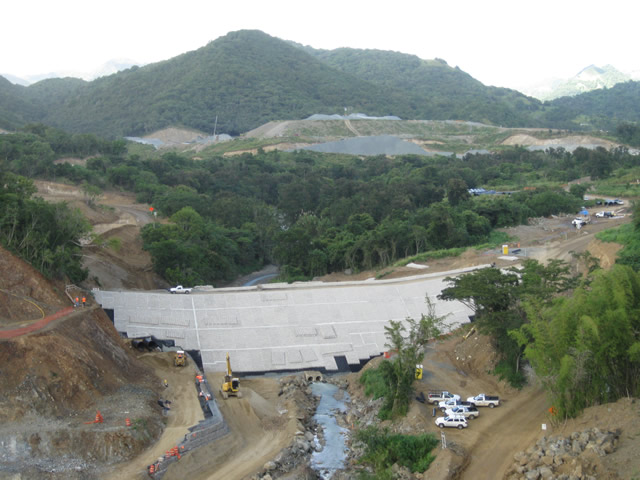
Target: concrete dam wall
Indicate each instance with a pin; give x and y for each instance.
(279, 327)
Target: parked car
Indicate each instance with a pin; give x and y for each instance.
(483, 400)
(467, 411)
(605, 214)
(179, 289)
(457, 421)
(444, 404)
(436, 396)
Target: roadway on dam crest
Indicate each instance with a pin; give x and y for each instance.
(283, 327)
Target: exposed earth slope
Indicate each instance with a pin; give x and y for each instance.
(56, 379)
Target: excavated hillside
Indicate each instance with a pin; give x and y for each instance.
(57, 378)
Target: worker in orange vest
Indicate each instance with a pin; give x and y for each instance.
(77, 302)
(84, 301)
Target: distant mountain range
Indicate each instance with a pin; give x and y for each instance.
(588, 79)
(108, 68)
(248, 78)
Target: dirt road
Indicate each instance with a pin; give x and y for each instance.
(502, 432)
(260, 426)
(185, 412)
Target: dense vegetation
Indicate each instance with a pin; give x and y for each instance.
(437, 91)
(598, 109)
(44, 234)
(384, 449)
(311, 213)
(585, 346)
(239, 80)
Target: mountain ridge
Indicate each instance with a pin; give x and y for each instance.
(248, 78)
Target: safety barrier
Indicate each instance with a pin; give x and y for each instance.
(206, 431)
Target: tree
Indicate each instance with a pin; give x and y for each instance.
(496, 297)
(91, 192)
(457, 191)
(578, 190)
(586, 347)
(485, 291)
(407, 339)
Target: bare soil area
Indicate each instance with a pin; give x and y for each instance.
(524, 139)
(263, 423)
(117, 216)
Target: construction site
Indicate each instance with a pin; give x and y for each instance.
(99, 389)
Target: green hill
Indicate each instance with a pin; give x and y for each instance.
(15, 108)
(245, 79)
(436, 90)
(248, 78)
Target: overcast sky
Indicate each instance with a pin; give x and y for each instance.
(508, 43)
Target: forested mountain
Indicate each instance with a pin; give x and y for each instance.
(248, 78)
(436, 90)
(599, 108)
(245, 79)
(15, 108)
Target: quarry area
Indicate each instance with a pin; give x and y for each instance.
(79, 401)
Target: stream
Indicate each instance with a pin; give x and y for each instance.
(333, 455)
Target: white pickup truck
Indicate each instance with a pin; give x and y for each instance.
(483, 400)
(444, 404)
(437, 396)
(179, 289)
(467, 411)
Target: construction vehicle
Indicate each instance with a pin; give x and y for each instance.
(231, 386)
(180, 359)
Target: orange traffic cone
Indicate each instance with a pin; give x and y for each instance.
(127, 422)
(98, 419)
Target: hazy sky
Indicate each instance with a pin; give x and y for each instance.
(507, 43)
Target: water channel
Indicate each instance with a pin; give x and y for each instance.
(333, 455)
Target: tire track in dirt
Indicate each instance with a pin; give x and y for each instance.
(185, 412)
(515, 425)
(351, 128)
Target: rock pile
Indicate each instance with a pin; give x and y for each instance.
(296, 456)
(575, 457)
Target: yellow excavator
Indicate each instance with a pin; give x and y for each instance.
(231, 386)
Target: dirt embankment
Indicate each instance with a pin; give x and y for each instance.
(55, 380)
(115, 259)
(25, 294)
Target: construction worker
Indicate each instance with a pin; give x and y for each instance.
(77, 302)
(84, 301)
(166, 384)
